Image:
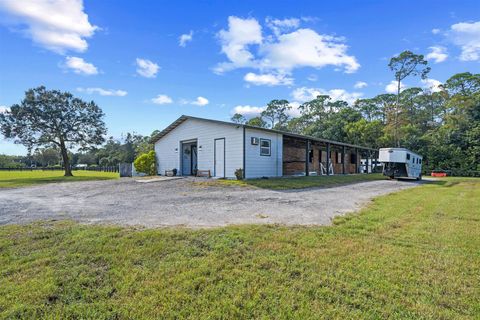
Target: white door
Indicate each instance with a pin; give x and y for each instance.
(219, 155)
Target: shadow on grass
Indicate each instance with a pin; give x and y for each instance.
(437, 182)
(295, 184)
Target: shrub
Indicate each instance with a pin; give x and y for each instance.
(239, 174)
(145, 163)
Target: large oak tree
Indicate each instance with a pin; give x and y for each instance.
(46, 118)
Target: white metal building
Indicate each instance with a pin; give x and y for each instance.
(190, 144)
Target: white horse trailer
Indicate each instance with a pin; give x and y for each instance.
(400, 163)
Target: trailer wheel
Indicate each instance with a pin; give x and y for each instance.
(419, 177)
(390, 177)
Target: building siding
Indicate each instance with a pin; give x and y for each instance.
(205, 133)
(257, 166)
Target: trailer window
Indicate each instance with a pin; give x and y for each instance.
(265, 147)
(408, 156)
(420, 161)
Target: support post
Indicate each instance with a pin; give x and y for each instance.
(375, 160)
(307, 155)
(367, 160)
(356, 160)
(343, 160)
(328, 159)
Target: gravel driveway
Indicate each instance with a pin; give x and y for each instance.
(181, 203)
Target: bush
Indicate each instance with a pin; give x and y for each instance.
(239, 174)
(145, 163)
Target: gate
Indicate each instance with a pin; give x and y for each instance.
(125, 169)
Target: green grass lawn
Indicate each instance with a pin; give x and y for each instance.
(295, 182)
(409, 255)
(12, 179)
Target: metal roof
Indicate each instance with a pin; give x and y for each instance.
(183, 118)
(402, 149)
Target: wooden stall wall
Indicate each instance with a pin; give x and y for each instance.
(294, 154)
(295, 157)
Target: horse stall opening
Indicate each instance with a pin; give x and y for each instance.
(309, 157)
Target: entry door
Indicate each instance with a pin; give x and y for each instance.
(194, 159)
(186, 159)
(219, 154)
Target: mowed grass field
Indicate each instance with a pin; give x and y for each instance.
(13, 179)
(287, 183)
(409, 255)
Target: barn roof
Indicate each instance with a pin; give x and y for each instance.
(183, 118)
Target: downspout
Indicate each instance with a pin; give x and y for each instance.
(276, 157)
(244, 162)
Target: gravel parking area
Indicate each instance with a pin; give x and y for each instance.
(181, 203)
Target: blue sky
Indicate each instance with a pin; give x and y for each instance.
(130, 56)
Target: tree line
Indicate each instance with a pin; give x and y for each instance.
(114, 151)
(442, 124)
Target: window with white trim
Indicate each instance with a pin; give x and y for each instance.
(265, 147)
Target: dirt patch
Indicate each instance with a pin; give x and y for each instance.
(180, 203)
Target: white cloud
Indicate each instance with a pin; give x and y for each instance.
(248, 111)
(306, 48)
(392, 87)
(279, 26)
(294, 109)
(80, 66)
(252, 111)
(200, 101)
(282, 52)
(467, 36)
(268, 79)
(184, 38)
(435, 31)
(437, 54)
(235, 41)
(432, 85)
(147, 68)
(360, 84)
(312, 77)
(103, 92)
(57, 25)
(304, 94)
(162, 99)
(4, 109)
